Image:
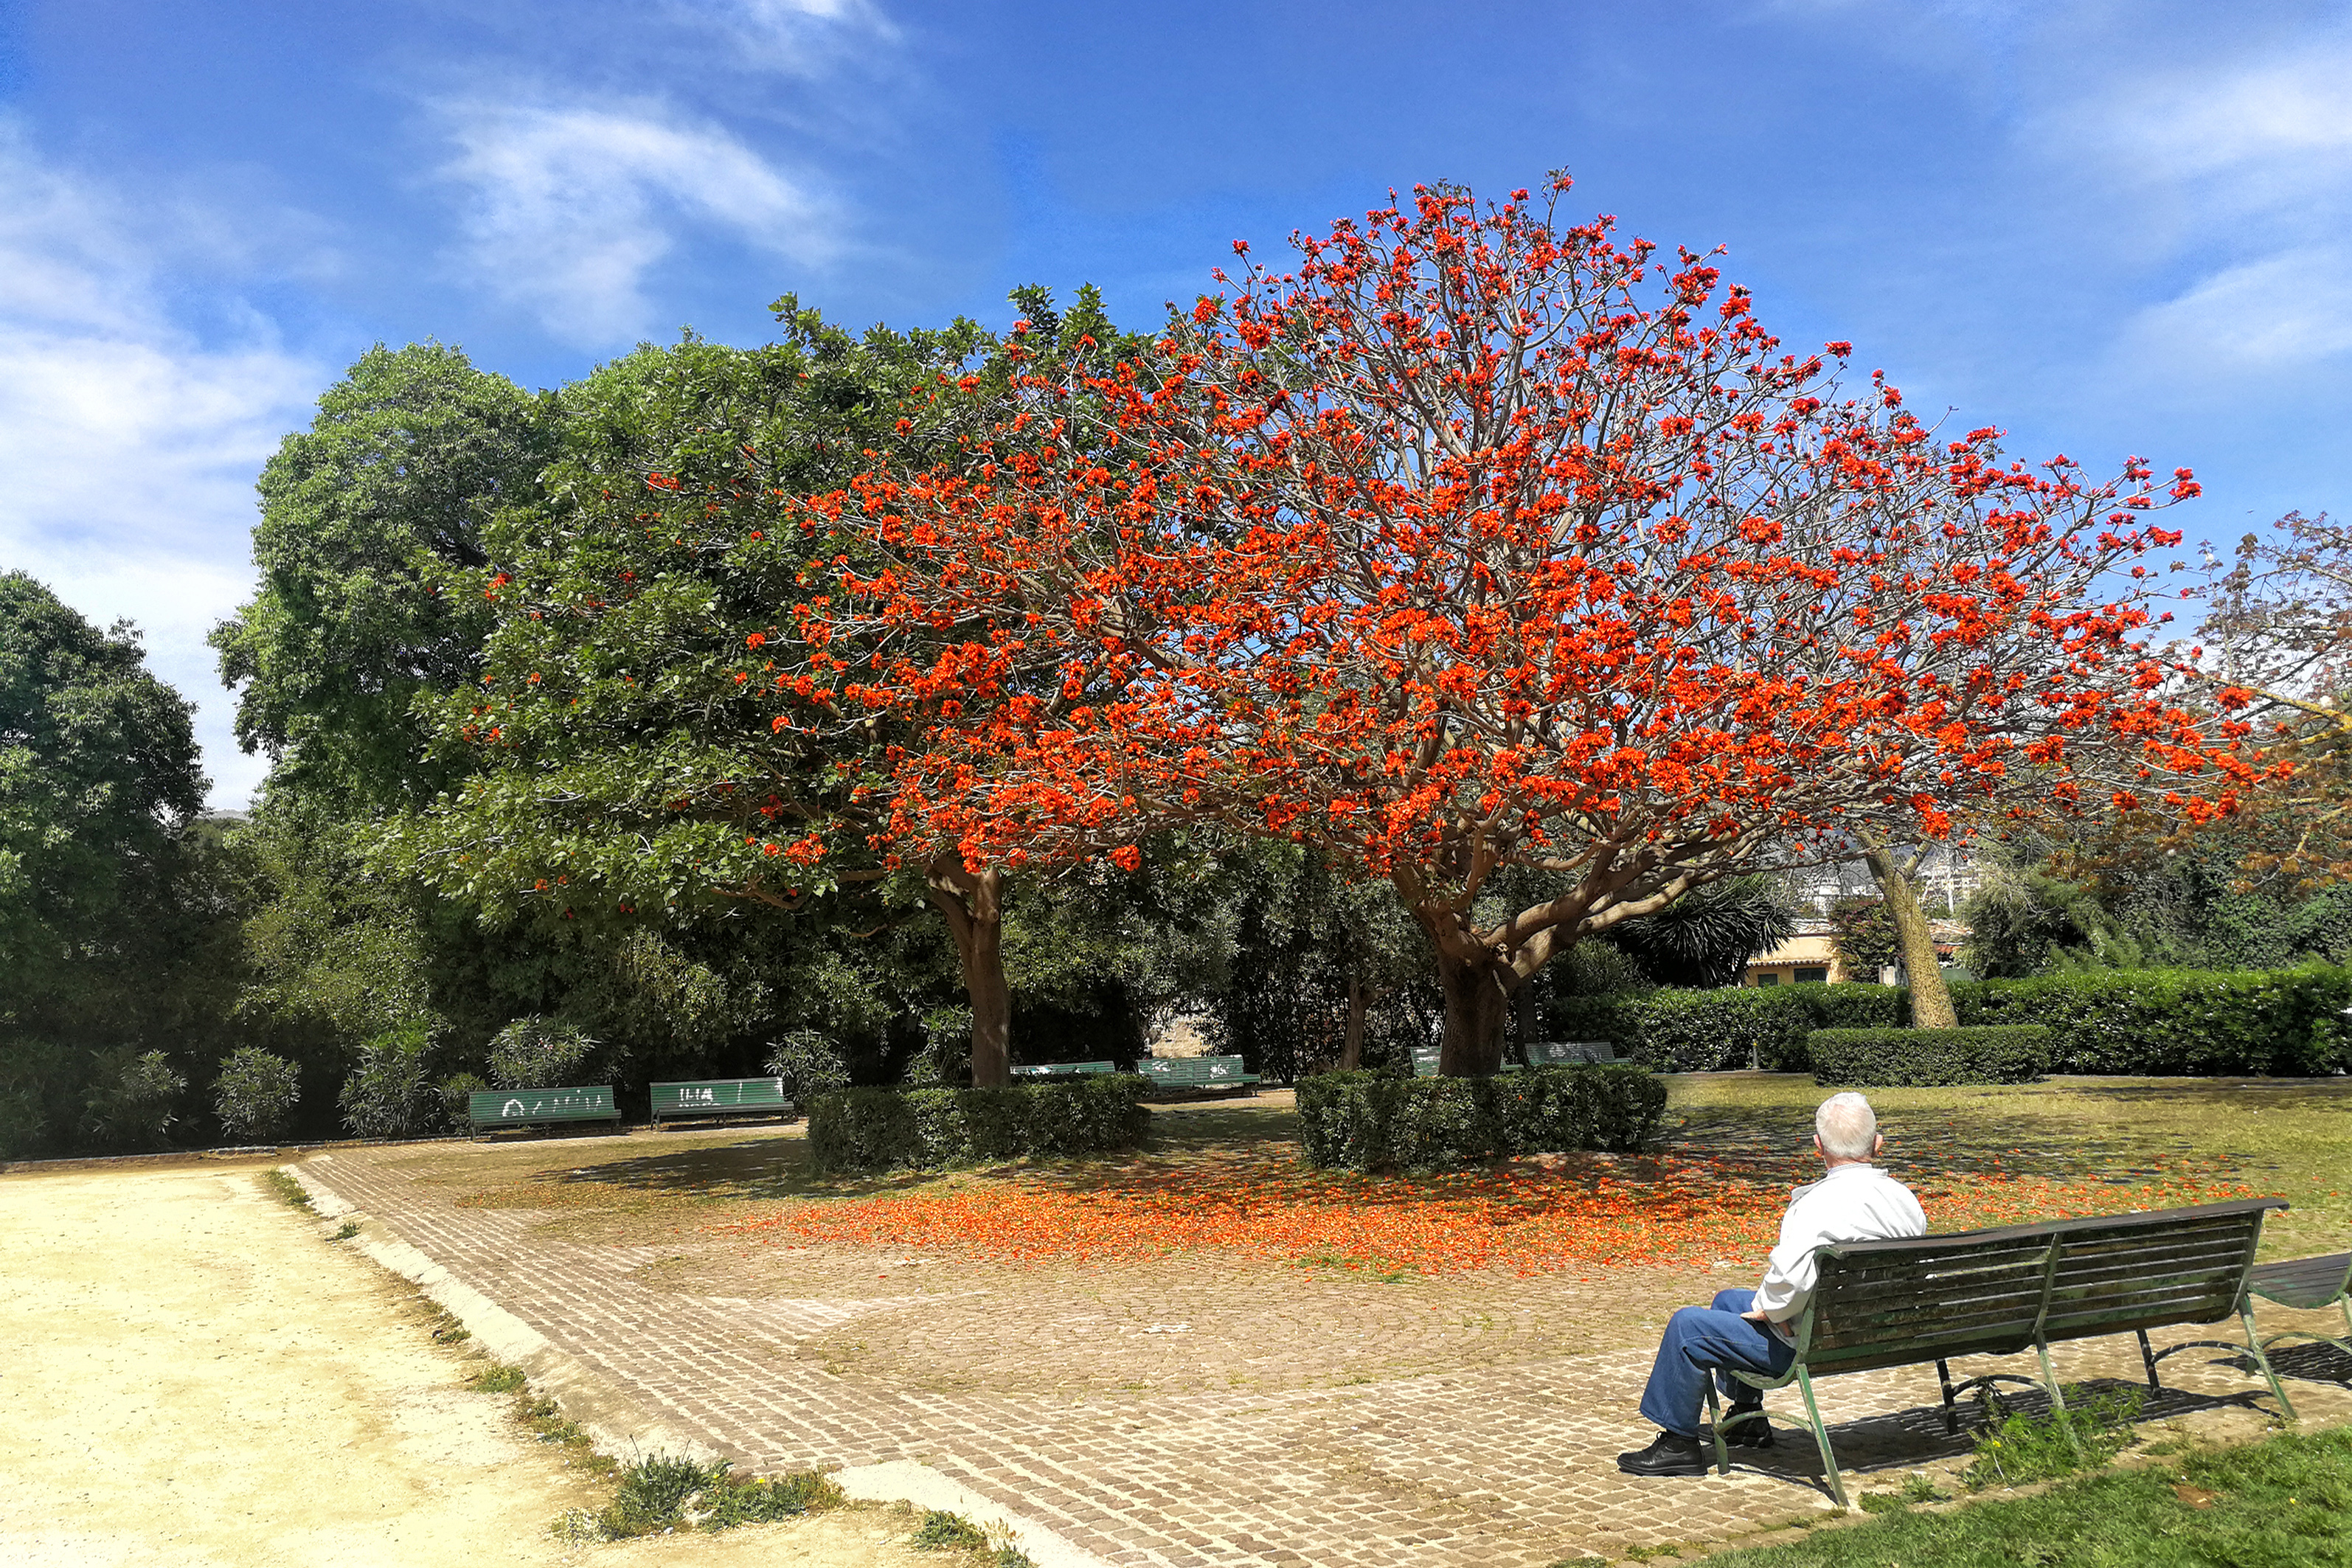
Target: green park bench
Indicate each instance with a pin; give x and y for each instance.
(494, 1108)
(2000, 1292)
(719, 1097)
(1198, 1074)
(1062, 1070)
(2308, 1284)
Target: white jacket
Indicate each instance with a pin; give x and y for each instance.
(1853, 1202)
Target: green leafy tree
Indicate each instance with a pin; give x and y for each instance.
(107, 899)
(255, 1093)
(1707, 938)
(1866, 935)
(621, 754)
(371, 521)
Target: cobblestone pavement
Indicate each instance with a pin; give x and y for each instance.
(1502, 1464)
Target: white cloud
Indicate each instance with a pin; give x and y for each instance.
(2267, 130)
(799, 37)
(570, 207)
(2291, 308)
(130, 444)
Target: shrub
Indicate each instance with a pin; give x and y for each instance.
(808, 1063)
(2178, 1022)
(878, 1128)
(132, 1098)
(458, 1100)
(2153, 1021)
(538, 1053)
(385, 1095)
(1923, 1057)
(254, 1096)
(1369, 1121)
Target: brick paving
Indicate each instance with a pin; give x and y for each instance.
(1505, 1465)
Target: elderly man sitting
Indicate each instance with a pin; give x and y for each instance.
(1747, 1331)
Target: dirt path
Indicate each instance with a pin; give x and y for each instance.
(192, 1376)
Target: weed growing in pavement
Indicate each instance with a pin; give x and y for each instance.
(1918, 1489)
(285, 1189)
(992, 1546)
(662, 1492)
(2091, 1430)
(350, 1228)
(499, 1378)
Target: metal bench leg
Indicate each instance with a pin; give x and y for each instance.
(2254, 1345)
(1715, 1429)
(1822, 1437)
(2147, 1358)
(1951, 1414)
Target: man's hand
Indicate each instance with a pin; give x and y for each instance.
(1755, 1317)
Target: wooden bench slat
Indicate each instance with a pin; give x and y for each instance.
(534, 1107)
(2303, 1282)
(718, 1097)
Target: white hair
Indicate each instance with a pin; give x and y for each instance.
(1847, 1127)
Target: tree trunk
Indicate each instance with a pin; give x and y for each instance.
(1931, 999)
(973, 903)
(1476, 1008)
(1351, 1049)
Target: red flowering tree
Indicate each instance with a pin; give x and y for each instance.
(1480, 542)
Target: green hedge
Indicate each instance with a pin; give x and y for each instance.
(2152, 1022)
(1920, 1059)
(1371, 1121)
(877, 1129)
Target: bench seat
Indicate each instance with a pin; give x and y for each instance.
(2003, 1291)
(719, 1097)
(2309, 1284)
(1062, 1070)
(493, 1108)
(1196, 1073)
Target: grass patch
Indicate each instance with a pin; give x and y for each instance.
(2093, 1429)
(348, 1229)
(2280, 1503)
(1915, 1490)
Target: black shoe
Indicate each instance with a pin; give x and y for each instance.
(1754, 1432)
(1672, 1455)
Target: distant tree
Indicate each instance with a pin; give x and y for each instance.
(371, 522)
(106, 888)
(1866, 936)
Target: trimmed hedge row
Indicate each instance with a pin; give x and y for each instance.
(877, 1129)
(1922, 1059)
(1373, 1122)
(2150, 1022)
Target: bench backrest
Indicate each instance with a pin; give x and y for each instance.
(490, 1107)
(1995, 1292)
(719, 1094)
(1424, 1061)
(1568, 1053)
(1049, 1069)
(1192, 1070)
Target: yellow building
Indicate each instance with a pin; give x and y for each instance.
(1811, 956)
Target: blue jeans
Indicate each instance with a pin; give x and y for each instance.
(1703, 1339)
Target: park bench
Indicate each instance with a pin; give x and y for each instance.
(2308, 1284)
(2000, 1292)
(493, 1108)
(1569, 1053)
(1062, 1070)
(1196, 1073)
(719, 1097)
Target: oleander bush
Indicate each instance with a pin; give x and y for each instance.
(255, 1093)
(925, 1129)
(1373, 1121)
(1924, 1058)
(2153, 1022)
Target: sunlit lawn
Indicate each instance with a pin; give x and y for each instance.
(1225, 1179)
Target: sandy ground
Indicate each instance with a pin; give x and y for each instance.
(192, 1376)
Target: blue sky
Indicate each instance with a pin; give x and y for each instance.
(2108, 229)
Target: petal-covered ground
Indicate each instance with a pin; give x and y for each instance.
(1523, 1220)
